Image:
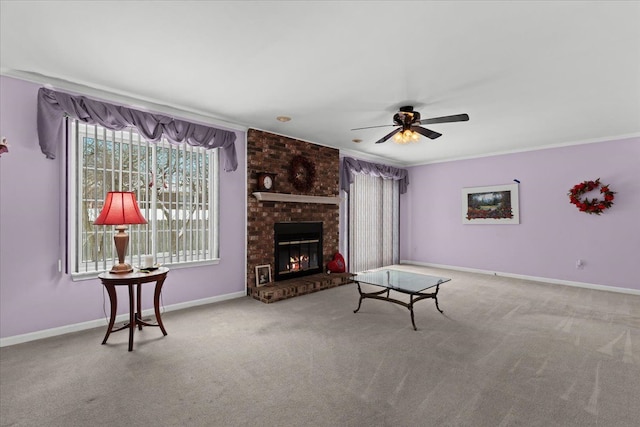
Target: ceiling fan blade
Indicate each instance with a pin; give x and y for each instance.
(371, 127)
(445, 119)
(426, 132)
(384, 138)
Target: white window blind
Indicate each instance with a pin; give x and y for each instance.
(374, 226)
(177, 191)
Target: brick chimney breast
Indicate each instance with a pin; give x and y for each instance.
(267, 152)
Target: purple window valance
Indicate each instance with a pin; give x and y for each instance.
(351, 166)
(53, 105)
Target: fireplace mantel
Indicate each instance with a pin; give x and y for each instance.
(296, 198)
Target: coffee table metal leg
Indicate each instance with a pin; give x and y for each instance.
(361, 298)
(435, 298)
(413, 322)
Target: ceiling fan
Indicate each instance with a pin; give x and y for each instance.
(408, 122)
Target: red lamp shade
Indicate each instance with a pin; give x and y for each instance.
(120, 207)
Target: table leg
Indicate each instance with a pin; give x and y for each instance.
(156, 304)
(361, 298)
(435, 298)
(139, 306)
(132, 317)
(113, 301)
(413, 322)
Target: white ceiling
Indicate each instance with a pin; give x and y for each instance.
(529, 74)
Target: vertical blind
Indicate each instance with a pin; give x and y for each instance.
(176, 189)
(374, 226)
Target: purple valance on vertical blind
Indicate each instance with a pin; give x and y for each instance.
(53, 105)
(352, 166)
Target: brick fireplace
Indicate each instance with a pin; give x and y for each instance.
(267, 152)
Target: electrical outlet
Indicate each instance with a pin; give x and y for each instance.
(579, 264)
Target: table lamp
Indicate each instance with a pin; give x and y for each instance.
(120, 209)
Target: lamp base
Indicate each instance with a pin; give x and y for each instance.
(121, 269)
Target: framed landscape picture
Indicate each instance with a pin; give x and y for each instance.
(498, 204)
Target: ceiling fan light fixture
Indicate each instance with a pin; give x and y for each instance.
(406, 136)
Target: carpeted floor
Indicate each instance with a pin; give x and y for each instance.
(506, 352)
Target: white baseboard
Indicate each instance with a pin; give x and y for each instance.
(525, 277)
(46, 333)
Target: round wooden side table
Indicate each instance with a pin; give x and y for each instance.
(135, 278)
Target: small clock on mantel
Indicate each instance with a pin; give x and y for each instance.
(266, 181)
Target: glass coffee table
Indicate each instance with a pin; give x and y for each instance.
(412, 284)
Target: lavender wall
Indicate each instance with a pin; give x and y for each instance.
(33, 295)
(552, 233)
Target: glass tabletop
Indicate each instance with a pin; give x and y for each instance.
(399, 280)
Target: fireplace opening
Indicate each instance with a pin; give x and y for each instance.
(298, 249)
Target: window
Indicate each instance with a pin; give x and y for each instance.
(176, 186)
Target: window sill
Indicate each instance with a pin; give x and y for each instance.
(88, 275)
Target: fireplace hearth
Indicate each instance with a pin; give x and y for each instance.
(297, 249)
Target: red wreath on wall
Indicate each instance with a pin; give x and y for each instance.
(593, 206)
